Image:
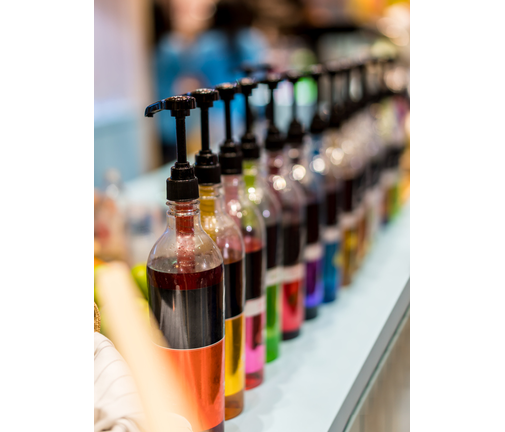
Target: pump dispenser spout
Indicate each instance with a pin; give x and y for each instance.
(182, 185)
(295, 131)
(273, 140)
(230, 156)
(207, 168)
(318, 124)
(250, 148)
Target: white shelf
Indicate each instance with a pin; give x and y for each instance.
(316, 382)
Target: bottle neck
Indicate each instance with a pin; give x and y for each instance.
(184, 217)
(211, 200)
(251, 172)
(233, 186)
(276, 162)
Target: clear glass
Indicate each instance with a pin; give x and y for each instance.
(247, 216)
(312, 182)
(227, 235)
(185, 275)
(293, 202)
(259, 193)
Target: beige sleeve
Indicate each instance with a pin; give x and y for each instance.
(117, 404)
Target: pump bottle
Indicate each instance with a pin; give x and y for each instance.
(320, 166)
(258, 192)
(226, 234)
(247, 216)
(292, 199)
(186, 291)
(298, 147)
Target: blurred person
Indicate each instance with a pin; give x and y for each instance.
(205, 45)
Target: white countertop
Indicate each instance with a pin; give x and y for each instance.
(316, 382)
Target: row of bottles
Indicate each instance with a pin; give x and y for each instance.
(257, 239)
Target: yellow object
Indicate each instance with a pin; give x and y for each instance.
(234, 355)
(139, 273)
(97, 319)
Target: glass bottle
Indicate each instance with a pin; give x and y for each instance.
(185, 275)
(292, 199)
(247, 216)
(298, 147)
(227, 235)
(258, 192)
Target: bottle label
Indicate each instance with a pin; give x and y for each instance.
(293, 273)
(348, 220)
(313, 252)
(255, 306)
(389, 177)
(274, 276)
(331, 234)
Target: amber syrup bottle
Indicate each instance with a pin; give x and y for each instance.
(260, 194)
(185, 274)
(292, 199)
(299, 149)
(222, 229)
(364, 185)
(247, 216)
(351, 180)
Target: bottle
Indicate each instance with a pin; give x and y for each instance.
(363, 139)
(185, 274)
(260, 194)
(320, 166)
(226, 234)
(393, 150)
(248, 218)
(345, 162)
(292, 201)
(297, 146)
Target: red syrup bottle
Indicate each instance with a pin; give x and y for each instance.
(186, 292)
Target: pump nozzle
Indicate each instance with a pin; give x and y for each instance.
(249, 68)
(337, 110)
(273, 140)
(182, 185)
(207, 168)
(362, 66)
(250, 148)
(230, 156)
(318, 124)
(295, 131)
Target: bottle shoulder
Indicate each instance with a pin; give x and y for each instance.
(184, 253)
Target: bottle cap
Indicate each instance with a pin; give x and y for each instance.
(182, 185)
(249, 144)
(230, 156)
(207, 168)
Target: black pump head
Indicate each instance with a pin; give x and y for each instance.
(250, 68)
(274, 140)
(296, 131)
(182, 184)
(205, 97)
(230, 156)
(249, 144)
(334, 68)
(207, 168)
(247, 85)
(227, 91)
(318, 125)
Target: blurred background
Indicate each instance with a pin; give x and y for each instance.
(146, 50)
